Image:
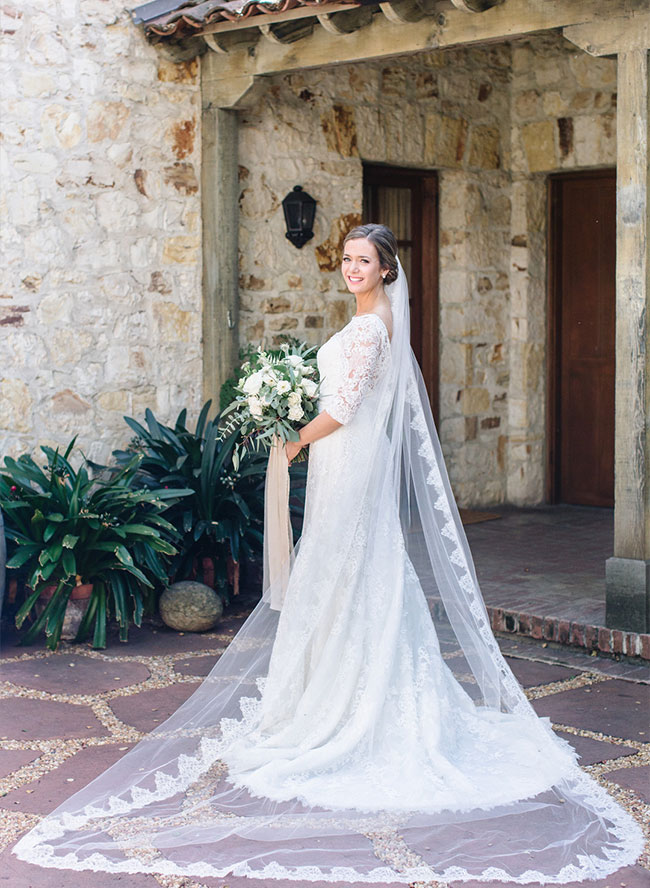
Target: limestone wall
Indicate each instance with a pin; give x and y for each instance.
(100, 309)
(443, 111)
(494, 122)
(100, 302)
(563, 112)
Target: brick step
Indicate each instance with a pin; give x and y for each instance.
(570, 633)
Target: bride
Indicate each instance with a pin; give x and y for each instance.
(362, 726)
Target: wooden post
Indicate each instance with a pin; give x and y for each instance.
(628, 571)
(219, 185)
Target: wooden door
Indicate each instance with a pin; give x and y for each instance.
(582, 337)
(407, 201)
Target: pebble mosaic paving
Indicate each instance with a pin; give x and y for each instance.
(66, 716)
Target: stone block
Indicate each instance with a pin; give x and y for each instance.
(116, 400)
(173, 324)
(60, 127)
(339, 129)
(474, 400)
(627, 601)
(15, 405)
(67, 401)
(281, 324)
(183, 249)
(275, 305)
(444, 140)
(106, 120)
(539, 144)
(485, 151)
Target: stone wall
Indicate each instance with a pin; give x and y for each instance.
(100, 303)
(563, 112)
(442, 111)
(494, 122)
(100, 307)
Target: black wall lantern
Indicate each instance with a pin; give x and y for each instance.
(299, 211)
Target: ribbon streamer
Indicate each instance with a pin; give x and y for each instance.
(278, 535)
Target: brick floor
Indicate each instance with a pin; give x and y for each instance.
(542, 574)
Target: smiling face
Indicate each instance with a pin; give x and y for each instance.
(361, 268)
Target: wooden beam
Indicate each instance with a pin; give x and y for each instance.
(628, 572)
(620, 34)
(382, 39)
(475, 5)
(253, 21)
(401, 11)
(285, 32)
(345, 22)
(220, 213)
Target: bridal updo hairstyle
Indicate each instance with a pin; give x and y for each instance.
(384, 242)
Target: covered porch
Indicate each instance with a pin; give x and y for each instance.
(408, 92)
(542, 575)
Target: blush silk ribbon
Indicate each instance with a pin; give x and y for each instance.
(278, 536)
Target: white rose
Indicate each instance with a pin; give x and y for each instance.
(255, 407)
(283, 387)
(296, 412)
(309, 387)
(294, 399)
(294, 360)
(307, 370)
(253, 384)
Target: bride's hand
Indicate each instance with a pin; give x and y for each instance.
(292, 449)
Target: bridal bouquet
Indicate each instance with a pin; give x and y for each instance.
(276, 394)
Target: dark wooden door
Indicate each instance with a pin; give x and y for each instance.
(407, 201)
(583, 318)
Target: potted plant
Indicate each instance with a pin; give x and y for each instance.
(67, 530)
(220, 524)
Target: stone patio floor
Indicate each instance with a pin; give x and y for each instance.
(65, 717)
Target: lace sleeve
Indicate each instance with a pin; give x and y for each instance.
(363, 352)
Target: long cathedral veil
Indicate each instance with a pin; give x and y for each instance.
(168, 807)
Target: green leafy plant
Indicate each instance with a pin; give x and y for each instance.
(222, 520)
(66, 528)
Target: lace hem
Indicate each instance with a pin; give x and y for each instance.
(35, 848)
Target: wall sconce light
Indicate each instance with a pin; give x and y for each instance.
(299, 211)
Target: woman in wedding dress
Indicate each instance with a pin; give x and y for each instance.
(362, 726)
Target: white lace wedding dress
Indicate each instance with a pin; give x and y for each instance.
(371, 732)
(360, 709)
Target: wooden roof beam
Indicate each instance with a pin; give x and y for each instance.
(475, 5)
(382, 39)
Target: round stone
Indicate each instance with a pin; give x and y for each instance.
(190, 606)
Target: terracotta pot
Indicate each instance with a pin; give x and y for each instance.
(75, 610)
(232, 571)
(79, 593)
(208, 572)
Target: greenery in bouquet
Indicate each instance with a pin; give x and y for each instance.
(276, 394)
(66, 529)
(229, 391)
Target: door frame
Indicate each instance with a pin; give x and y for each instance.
(553, 322)
(424, 214)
